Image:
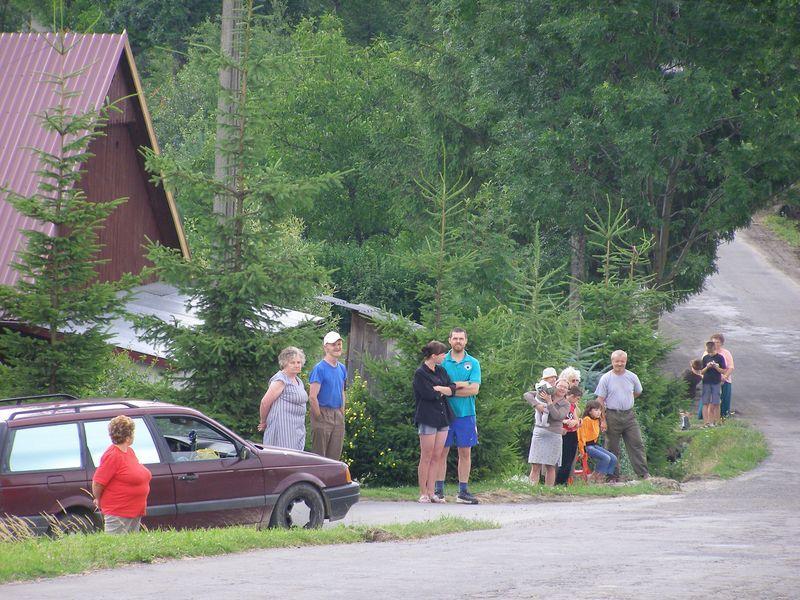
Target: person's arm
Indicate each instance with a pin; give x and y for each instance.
(273, 391)
(603, 423)
(313, 392)
(721, 367)
(558, 410)
(466, 388)
(344, 398)
(97, 492)
(425, 391)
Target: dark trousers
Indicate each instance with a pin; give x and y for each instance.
(569, 447)
(725, 396)
(623, 424)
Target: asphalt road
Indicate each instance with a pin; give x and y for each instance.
(733, 539)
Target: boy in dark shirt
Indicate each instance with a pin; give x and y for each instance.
(713, 367)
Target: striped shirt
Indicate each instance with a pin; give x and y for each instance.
(286, 420)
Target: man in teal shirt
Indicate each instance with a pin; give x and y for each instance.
(465, 372)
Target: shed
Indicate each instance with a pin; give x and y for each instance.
(363, 339)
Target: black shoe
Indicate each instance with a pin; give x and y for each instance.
(466, 498)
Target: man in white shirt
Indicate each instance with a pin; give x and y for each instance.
(617, 391)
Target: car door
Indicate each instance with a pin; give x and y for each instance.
(161, 509)
(214, 484)
(42, 470)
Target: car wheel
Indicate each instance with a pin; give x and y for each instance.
(75, 522)
(299, 506)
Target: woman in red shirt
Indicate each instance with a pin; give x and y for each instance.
(121, 484)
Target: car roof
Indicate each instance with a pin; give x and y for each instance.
(48, 410)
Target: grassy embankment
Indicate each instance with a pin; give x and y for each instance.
(724, 451)
(784, 228)
(46, 557)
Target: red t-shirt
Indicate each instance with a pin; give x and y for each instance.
(126, 482)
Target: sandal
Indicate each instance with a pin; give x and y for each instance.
(424, 499)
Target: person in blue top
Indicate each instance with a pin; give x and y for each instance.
(326, 396)
(465, 371)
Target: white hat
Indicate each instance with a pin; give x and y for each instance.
(331, 338)
(549, 372)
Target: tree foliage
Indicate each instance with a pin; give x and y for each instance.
(249, 267)
(57, 287)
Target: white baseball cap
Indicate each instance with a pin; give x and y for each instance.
(549, 372)
(331, 338)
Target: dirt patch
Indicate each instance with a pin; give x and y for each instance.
(379, 535)
(505, 497)
(780, 254)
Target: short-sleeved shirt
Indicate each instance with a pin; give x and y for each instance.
(467, 369)
(126, 482)
(712, 375)
(331, 382)
(618, 390)
(728, 363)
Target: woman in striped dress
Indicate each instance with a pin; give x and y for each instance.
(283, 407)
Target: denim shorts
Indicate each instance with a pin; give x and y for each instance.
(423, 429)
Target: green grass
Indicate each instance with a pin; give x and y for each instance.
(45, 557)
(784, 228)
(725, 451)
(517, 488)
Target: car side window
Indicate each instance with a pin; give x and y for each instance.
(192, 439)
(98, 441)
(45, 448)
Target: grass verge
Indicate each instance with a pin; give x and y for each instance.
(517, 488)
(784, 228)
(725, 451)
(45, 557)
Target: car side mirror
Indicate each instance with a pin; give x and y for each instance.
(244, 453)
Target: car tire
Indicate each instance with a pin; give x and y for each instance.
(75, 521)
(284, 513)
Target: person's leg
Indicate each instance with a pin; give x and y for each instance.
(464, 465)
(536, 470)
(426, 454)
(600, 457)
(725, 397)
(336, 437)
(133, 525)
(320, 432)
(569, 447)
(550, 475)
(632, 436)
(438, 445)
(441, 468)
(613, 434)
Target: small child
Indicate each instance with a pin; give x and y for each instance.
(588, 434)
(547, 385)
(713, 368)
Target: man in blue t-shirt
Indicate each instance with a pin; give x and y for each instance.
(327, 398)
(465, 372)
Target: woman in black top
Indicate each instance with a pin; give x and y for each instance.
(433, 414)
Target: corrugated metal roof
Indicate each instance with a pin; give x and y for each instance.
(26, 59)
(168, 304)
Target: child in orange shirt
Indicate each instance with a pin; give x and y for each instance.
(588, 433)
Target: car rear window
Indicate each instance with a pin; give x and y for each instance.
(45, 448)
(98, 441)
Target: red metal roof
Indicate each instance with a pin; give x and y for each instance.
(25, 60)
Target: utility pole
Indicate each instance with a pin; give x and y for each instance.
(230, 82)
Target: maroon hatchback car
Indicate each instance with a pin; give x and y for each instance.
(204, 475)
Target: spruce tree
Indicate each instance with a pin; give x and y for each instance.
(250, 263)
(57, 292)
